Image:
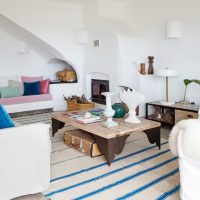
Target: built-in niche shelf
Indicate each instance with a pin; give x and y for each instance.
(56, 65)
(61, 82)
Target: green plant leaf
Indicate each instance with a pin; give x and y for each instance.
(187, 81)
(196, 81)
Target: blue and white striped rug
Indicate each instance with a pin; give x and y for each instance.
(140, 172)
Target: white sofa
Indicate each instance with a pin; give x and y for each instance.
(185, 142)
(25, 160)
(24, 103)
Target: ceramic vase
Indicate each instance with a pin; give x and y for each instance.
(142, 68)
(109, 112)
(132, 99)
(151, 69)
(119, 109)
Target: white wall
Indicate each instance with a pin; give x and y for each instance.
(14, 63)
(53, 22)
(48, 27)
(121, 49)
(148, 18)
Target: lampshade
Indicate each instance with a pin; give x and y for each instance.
(81, 37)
(165, 72)
(173, 29)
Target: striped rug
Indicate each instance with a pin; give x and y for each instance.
(30, 119)
(140, 172)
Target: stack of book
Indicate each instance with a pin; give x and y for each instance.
(74, 114)
(97, 112)
(79, 116)
(92, 119)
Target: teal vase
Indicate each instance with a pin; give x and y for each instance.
(119, 109)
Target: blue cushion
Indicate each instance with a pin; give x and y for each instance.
(5, 120)
(31, 88)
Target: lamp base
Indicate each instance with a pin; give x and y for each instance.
(167, 103)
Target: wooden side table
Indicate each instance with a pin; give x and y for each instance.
(170, 115)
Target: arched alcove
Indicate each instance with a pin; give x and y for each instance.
(55, 65)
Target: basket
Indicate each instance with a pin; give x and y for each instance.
(73, 105)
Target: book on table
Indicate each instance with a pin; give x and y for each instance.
(74, 114)
(97, 111)
(84, 120)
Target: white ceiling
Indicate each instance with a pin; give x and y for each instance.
(82, 1)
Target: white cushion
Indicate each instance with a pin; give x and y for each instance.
(18, 84)
(4, 80)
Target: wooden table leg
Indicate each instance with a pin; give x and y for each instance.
(110, 147)
(56, 124)
(154, 136)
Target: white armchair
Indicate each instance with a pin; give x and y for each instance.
(24, 160)
(185, 142)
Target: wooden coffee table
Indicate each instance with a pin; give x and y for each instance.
(111, 141)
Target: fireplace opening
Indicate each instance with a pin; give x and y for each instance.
(97, 87)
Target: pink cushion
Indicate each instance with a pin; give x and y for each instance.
(30, 79)
(44, 87)
(26, 99)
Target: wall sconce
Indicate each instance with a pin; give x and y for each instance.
(81, 37)
(173, 30)
(22, 48)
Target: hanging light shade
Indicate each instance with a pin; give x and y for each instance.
(173, 29)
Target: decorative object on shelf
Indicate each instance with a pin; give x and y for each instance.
(151, 61)
(132, 99)
(67, 75)
(157, 113)
(119, 109)
(109, 112)
(173, 30)
(142, 69)
(78, 103)
(165, 72)
(186, 83)
(168, 116)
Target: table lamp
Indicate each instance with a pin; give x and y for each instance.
(165, 72)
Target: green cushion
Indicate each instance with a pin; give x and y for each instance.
(8, 92)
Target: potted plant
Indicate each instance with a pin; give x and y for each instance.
(186, 83)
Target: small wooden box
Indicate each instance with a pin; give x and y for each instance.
(82, 141)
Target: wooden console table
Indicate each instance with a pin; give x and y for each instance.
(111, 141)
(178, 112)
